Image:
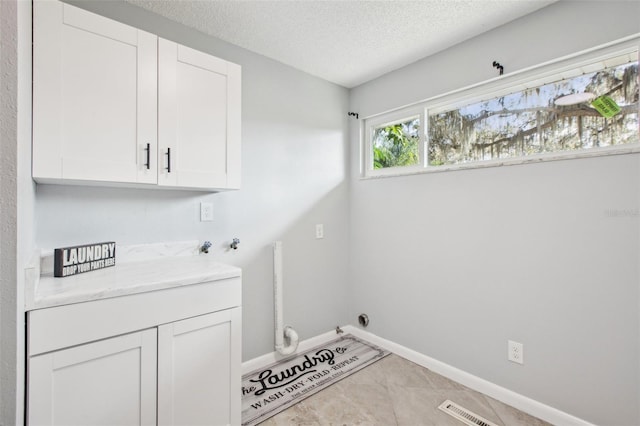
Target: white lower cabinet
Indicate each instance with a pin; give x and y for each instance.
(109, 382)
(196, 376)
(145, 359)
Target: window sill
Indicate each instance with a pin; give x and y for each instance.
(533, 159)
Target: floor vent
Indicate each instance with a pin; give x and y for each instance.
(464, 415)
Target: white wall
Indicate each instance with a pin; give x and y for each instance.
(16, 200)
(453, 264)
(465, 261)
(294, 175)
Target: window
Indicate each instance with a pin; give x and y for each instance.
(545, 113)
(397, 144)
(397, 140)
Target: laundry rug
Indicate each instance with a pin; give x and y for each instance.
(270, 390)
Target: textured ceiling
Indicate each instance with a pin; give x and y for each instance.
(347, 42)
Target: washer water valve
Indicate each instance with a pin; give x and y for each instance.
(205, 247)
(234, 244)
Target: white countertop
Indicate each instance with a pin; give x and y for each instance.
(127, 278)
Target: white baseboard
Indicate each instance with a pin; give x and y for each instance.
(521, 402)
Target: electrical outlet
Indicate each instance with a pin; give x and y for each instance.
(206, 212)
(319, 231)
(515, 352)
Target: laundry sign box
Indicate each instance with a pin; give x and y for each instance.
(74, 260)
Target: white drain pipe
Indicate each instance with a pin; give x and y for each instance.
(283, 333)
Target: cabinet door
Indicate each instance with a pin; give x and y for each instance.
(198, 119)
(108, 382)
(199, 370)
(95, 97)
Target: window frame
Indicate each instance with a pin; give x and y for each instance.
(548, 72)
(393, 118)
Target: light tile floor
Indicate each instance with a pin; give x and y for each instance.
(394, 391)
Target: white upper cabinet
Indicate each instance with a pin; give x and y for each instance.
(95, 100)
(199, 119)
(114, 104)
